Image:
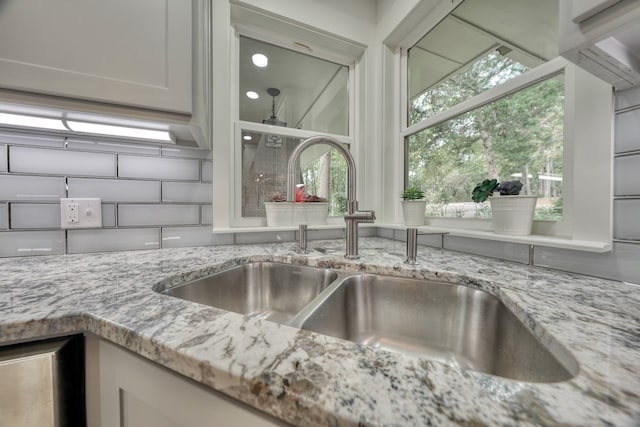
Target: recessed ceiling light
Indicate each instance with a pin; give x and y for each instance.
(31, 121)
(260, 60)
(247, 137)
(252, 95)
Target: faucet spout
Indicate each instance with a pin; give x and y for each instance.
(353, 216)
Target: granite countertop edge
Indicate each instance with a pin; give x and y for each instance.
(309, 379)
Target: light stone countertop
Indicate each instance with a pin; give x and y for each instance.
(310, 379)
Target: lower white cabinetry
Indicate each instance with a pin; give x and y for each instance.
(125, 390)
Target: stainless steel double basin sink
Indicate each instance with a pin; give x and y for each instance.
(453, 324)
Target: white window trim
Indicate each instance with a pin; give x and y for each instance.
(587, 164)
(234, 216)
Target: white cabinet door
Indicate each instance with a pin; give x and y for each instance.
(124, 390)
(125, 52)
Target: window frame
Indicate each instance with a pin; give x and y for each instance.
(588, 146)
(242, 29)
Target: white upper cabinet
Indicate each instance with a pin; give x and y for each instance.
(128, 52)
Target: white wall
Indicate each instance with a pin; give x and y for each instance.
(353, 19)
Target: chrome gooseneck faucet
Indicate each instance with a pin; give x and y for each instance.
(353, 215)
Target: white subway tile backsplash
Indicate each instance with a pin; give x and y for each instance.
(4, 166)
(4, 216)
(28, 243)
(107, 170)
(516, 252)
(61, 162)
(387, 233)
(31, 188)
(158, 168)
(112, 147)
(627, 131)
(433, 240)
(137, 215)
(114, 239)
(108, 215)
(36, 140)
(191, 153)
(619, 264)
(326, 233)
(626, 182)
(627, 98)
(207, 170)
(193, 192)
(35, 215)
(266, 237)
(115, 190)
(368, 231)
(626, 219)
(206, 214)
(177, 237)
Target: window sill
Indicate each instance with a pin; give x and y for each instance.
(265, 228)
(537, 240)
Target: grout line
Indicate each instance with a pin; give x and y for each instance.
(627, 109)
(626, 154)
(627, 241)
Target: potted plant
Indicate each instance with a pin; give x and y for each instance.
(279, 212)
(511, 213)
(413, 205)
(312, 210)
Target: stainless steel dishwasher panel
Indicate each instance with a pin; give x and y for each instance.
(42, 384)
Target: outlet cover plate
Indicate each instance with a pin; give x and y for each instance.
(81, 213)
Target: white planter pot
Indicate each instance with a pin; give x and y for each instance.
(310, 213)
(413, 211)
(512, 214)
(279, 214)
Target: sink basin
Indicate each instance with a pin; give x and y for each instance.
(265, 290)
(448, 323)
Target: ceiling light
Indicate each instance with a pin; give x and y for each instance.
(252, 95)
(121, 131)
(260, 60)
(31, 121)
(247, 137)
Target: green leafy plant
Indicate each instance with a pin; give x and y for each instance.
(483, 190)
(412, 193)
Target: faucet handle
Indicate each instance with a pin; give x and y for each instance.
(361, 216)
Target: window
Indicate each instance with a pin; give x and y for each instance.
(264, 172)
(510, 134)
(284, 97)
(283, 87)
(485, 94)
(518, 137)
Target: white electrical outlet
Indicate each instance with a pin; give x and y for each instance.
(81, 213)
